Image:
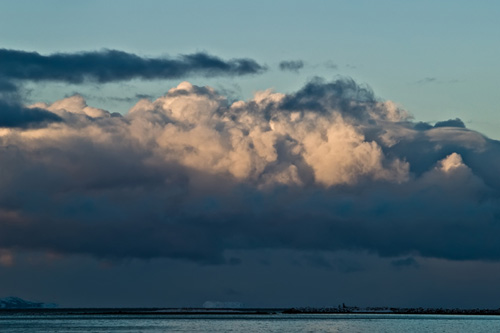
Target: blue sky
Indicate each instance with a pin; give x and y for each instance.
(438, 59)
(365, 173)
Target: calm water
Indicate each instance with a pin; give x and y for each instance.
(54, 322)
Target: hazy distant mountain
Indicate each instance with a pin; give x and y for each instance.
(19, 303)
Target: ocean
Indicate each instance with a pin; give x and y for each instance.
(85, 321)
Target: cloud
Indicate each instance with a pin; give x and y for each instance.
(406, 262)
(434, 80)
(292, 65)
(457, 122)
(192, 175)
(7, 86)
(427, 80)
(15, 115)
(113, 65)
(17, 67)
(331, 65)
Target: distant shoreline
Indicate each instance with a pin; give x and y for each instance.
(251, 311)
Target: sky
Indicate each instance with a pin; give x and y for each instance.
(273, 154)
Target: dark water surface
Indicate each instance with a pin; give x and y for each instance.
(59, 321)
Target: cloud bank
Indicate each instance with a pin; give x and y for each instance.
(191, 175)
(113, 65)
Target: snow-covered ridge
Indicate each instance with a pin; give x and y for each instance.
(19, 303)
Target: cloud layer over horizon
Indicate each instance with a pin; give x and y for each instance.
(191, 175)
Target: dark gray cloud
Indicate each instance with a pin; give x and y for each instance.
(71, 282)
(457, 122)
(317, 260)
(406, 262)
(291, 65)
(318, 95)
(141, 96)
(113, 65)
(129, 99)
(7, 86)
(327, 168)
(16, 115)
(421, 125)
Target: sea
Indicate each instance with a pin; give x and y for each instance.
(100, 321)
